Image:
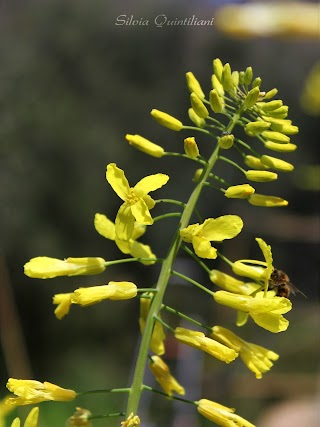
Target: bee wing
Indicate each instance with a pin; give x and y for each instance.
(294, 289)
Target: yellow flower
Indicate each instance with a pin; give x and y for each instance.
(80, 418)
(158, 335)
(46, 268)
(201, 342)
(145, 145)
(213, 229)
(137, 202)
(256, 358)
(106, 228)
(31, 392)
(112, 291)
(221, 415)
(63, 302)
(131, 421)
(31, 420)
(162, 374)
(4, 411)
(242, 191)
(265, 312)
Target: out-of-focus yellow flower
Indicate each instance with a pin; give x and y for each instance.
(265, 312)
(31, 420)
(4, 411)
(63, 302)
(131, 421)
(145, 145)
(310, 98)
(201, 342)
(212, 229)
(158, 335)
(107, 229)
(137, 202)
(297, 19)
(194, 85)
(112, 291)
(81, 418)
(258, 359)
(31, 392)
(162, 374)
(221, 415)
(46, 268)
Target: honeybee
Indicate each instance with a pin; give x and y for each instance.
(279, 280)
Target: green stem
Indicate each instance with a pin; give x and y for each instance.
(173, 201)
(164, 276)
(198, 260)
(121, 261)
(109, 390)
(168, 215)
(185, 317)
(194, 282)
(146, 387)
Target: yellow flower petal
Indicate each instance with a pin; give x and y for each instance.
(202, 248)
(112, 291)
(104, 226)
(124, 223)
(150, 183)
(162, 374)
(141, 213)
(116, 178)
(221, 228)
(32, 418)
(64, 302)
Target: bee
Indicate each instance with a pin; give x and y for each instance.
(279, 280)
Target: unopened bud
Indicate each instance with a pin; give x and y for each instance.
(191, 148)
(281, 148)
(226, 141)
(241, 191)
(254, 162)
(271, 105)
(226, 79)
(166, 120)
(242, 269)
(271, 93)
(287, 129)
(275, 136)
(145, 145)
(218, 68)
(257, 82)
(216, 101)
(235, 78)
(194, 85)
(198, 121)
(267, 201)
(280, 113)
(254, 128)
(216, 84)
(226, 282)
(251, 98)
(198, 106)
(260, 176)
(248, 76)
(197, 175)
(241, 77)
(273, 162)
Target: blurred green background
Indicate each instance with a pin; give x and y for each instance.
(72, 84)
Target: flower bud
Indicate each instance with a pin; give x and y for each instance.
(248, 76)
(216, 84)
(254, 162)
(242, 269)
(198, 106)
(267, 201)
(191, 148)
(270, 106)
(218, 68)
(226, 141)
(226, 79)
(271, 93)
(273, 162)
(260, 176)
(282, 148)
(81, 418)
(194, 85)
(200, 123)
(216, 101)
(145, 145)
(166, 120)
(254, 128)
(241, 78)
(280, 113)
(287, 129)
(251, 98)
(275, 136)
(239, 191)
(257, 82)
(112, 291)
(231, 284)
(235, 78)
(197, 175)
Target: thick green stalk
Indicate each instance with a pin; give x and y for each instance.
(165, 273)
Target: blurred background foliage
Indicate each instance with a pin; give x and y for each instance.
(72, 84)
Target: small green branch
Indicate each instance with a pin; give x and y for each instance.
(168, 215)
(174, 154)
(194, 282)
(172, 201)
(116, 414)
(225, 159)
(197, 259)
(225, 259)
(147, 290)
(121, 261)
(110, 390)
(146, 387)
(185, 317)
(164, 324)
